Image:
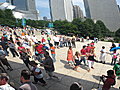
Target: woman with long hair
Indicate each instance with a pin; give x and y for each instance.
(91, 59)
(77, 61)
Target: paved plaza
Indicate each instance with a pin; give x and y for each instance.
(89, 80)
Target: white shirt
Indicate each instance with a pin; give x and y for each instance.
(104, 52)
(6, 87)
(34, 39)
(56, 39)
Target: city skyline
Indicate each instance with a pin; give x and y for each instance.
(43, 6)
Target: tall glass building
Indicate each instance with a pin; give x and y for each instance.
(27, 7)
(104, 10)
(61, 10)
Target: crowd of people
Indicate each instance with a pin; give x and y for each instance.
(32, 51)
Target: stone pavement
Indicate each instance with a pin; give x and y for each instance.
(89, 80)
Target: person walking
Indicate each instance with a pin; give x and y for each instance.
(49, 66)
(102, 55)
(4, 60)
(90, 58)
(12, 48)
(37, 73)
(116, 69)
(56, 40)
(70, 56)
(83, 54)
(73, 43)
(48, 39)
(53, 54)
(114, 57)
(77, 61)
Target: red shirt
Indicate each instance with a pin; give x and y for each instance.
(43, 40)
(39, 49)
(88, 49)
(83, 51)
(108, 83)
(52, 50)
(21, 48)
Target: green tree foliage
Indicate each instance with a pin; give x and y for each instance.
(6, 17)
(117, 33)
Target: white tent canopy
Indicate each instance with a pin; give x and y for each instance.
(7, 6)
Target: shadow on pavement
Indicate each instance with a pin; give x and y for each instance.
(64, 84)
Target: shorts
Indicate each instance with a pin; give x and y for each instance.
(56, 43)
(70, 62)
(77, 62)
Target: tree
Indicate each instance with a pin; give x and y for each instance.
(117, 33)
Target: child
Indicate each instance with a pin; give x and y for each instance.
(114, 57)
(37, 73)
(52, 49)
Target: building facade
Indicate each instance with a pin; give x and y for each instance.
(26, 7)
(104, 10)
(61, 10)
(77, 12)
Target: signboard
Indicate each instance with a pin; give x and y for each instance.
(50, 25)
(23, 22)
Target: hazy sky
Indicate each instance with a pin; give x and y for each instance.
(43, 6)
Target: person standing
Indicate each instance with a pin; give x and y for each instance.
(91, 59)
(12, 48)
(4, 78)
(25, 80)
(4, 60)
(70, 56)
(48, 39)
(116, 68)
(83, 54)
(37, 73)
(39, 50)
(114, 57)
(77, 61)
(53, 54)
(43, 40)
(102, 55)
(108, 80)
(56, 41)
(49, 66)
(21, 49)
(73, 42)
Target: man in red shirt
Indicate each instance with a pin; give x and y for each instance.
(39, 50)
(88, 48)
(83, 53)
(109, 81)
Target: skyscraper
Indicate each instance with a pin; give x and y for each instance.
(61, 10)
(78, 13)
(104, 10)
(27, 7)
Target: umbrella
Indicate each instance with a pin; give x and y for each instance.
(115, 48)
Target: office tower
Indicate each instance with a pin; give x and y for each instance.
(78, 13)
(104, 10)
(27, 7)
(45, 18)
(61, 10)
